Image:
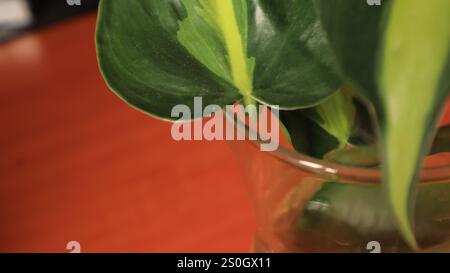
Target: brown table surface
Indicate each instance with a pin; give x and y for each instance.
(77, 164)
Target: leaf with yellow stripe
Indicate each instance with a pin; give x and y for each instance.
(397, 56)
(156, 54)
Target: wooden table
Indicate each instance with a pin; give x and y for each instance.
(77, 164)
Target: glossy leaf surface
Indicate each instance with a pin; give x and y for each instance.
(156, 54)
(397, 56)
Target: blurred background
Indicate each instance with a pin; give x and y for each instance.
(19, 16)
(78, 164)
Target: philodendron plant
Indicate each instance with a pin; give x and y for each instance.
(357, 84)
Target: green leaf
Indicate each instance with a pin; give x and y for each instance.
(397, 55)
(336, 115)
(144, 64)
(329, 126)
(294, 65)
(407, 76)
(305, 135)
(156, 54)
(215, 33)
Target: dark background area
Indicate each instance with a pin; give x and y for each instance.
(45, 12)
(49, 11)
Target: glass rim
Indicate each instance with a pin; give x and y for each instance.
(345, 173)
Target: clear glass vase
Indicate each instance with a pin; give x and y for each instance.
(304, 204)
